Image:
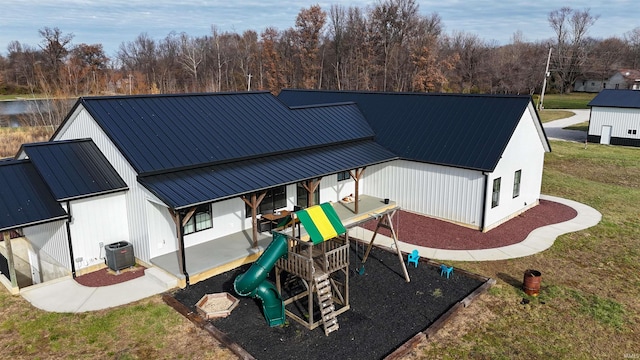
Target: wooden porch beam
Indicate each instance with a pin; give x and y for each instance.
(253, 203)
(311, 186)
(356, 176)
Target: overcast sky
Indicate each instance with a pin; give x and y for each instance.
(111, 22)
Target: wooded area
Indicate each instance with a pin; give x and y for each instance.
(389, 46)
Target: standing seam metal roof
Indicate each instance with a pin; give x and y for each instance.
(467, 131)
(617, 98)
(74, 169)
(25, 199)
(158, 133)
(217, 182)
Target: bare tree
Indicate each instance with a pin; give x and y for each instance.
(309, 24)
(632, 39)
(571, 28)
(191, 56)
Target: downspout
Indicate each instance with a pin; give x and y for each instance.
(181, 242)
(73, 263)
(483, 220)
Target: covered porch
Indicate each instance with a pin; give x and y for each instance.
(229, 252)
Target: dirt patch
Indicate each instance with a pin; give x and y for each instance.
(106, 276)
(433, 233)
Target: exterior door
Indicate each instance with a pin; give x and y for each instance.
(605, 137)
(35, 267)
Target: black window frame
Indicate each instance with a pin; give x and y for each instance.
(495, 194)
(193, 221)
(275, 198)
(344, 175)
(517, 180)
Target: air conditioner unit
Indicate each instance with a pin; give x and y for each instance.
(119, 255)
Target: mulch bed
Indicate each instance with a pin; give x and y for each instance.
(432, 233)
(385, 313)
(106, 276)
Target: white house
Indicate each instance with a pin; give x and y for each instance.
(623, 79)
(185, 178)
(615, 118)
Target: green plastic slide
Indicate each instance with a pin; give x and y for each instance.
(254, 281)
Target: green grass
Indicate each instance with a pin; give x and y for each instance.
(565, 101)
(583, 126)
(588, 304)
(550, 115)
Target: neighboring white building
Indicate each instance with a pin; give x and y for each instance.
(623, 79)
(185, 170)
(615, 118)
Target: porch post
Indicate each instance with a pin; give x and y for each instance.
(253, 204)
(356, 177)
(10, 262)
(311, 186)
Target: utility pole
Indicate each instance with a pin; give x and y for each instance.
(544, 83)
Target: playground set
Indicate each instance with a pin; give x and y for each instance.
(313, 268)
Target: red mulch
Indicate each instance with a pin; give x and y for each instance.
(429, 232)
(106, 276)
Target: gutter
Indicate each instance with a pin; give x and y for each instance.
(182, 252)
(483, 219)
(73, 264)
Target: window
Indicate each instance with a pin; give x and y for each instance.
(629, 131)
(275, 198)
(200, 220)
(604, 85)
(344, 175)
(516, 183)
(301, 196)
(495, 197)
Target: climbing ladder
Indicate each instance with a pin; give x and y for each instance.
(325, 301)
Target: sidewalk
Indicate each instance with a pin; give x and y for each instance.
(66, 295)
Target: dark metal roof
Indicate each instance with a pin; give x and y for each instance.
(217, 182)
(157, 133)
(617, 98)
(25, 199)
(74, 169)
(467, 131)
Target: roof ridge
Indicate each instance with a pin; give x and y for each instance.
(405, 93)
(169, 95)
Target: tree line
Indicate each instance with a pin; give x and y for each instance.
(389, 46)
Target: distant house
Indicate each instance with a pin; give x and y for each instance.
(624, 79)
(615, 118)
(185, 177)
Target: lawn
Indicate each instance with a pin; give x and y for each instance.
(550, 115)
(565, 101)
(588, 305)
(587, 308)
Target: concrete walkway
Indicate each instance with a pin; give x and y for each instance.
(66, 295)
(555, 129)
(538, 240)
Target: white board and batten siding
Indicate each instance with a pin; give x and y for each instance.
(81, 125)
(97, 221)
(620, 121)
(49, 242)
(439, 191)
(525, 152)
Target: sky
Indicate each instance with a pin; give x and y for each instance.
(112, 22)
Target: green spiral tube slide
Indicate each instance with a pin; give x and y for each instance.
(254, 281)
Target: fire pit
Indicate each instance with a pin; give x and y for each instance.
(216, 305)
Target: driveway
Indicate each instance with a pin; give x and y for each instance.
(555, 129)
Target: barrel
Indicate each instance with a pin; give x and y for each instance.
(531, 283)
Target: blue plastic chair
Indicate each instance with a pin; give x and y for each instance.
(413, 258)
(446, 270)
